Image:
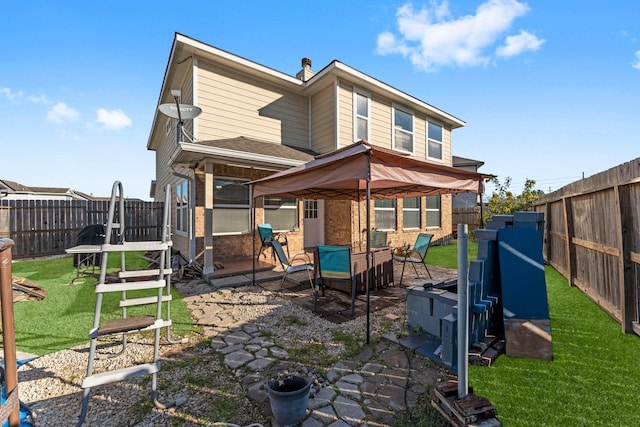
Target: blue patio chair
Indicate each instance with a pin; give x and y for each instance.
(378, 239)
(416, 254)
(334, 264)
(299, 262)
(267, 237)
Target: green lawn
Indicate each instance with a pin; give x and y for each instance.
(63, 319)
(590, 382)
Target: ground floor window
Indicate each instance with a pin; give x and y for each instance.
(231, 206)
(433, 212)
(411, 212)
(182, 206)
(281, 213)
(385, 214)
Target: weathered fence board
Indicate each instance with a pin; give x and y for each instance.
(467, 215)
(48, 227)
(592, 237)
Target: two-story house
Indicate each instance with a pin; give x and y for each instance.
(255, 121)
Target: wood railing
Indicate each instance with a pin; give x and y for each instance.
(11, 408)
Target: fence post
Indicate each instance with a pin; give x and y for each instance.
(11, 409)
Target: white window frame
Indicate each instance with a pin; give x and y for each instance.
(406, 209)
(390, 209)
(403, 131)
(182, 207)
(357, 93)
(430, 140)
(246, 207)
(439, 210)
(168, 127)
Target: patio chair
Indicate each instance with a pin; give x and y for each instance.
(334, 264)
(267, 237)
(417, 254)
(377, 239)
(299, 262)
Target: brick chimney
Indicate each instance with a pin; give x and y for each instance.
(306, 73)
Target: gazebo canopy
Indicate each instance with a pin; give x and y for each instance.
(343, 174)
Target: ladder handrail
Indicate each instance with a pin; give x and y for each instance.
(163, 274)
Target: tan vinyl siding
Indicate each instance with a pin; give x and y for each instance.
(235, 105)
(447, 156)
(164, 175)
(419, 135)
(345, 114)
(323, 121)
(380, 121)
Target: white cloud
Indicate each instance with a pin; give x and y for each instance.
(41, 99)
(61, 112)
(113, 120)
(636, 64)
(515, 45)
(432, 38)
(9, 94)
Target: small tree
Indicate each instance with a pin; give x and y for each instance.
(503, 201)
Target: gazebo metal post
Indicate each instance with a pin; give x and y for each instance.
(253, 242)
(368, 246)
(463, 312)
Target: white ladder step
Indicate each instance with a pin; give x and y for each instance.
(143, 301)
(137, 246)
(125, 325)
(120, 374)
(130, 286)
(143, 273)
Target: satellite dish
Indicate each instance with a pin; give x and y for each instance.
(186, 111)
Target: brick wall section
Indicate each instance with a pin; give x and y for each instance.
(337, 223)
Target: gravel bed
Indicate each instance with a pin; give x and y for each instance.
(50, 384)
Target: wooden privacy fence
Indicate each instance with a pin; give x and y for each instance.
(592, 237)
(48, 227)
(468, 215)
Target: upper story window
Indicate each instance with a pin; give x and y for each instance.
(182, 206)
(434, 141)
(361, 116)
(231, 206)
(411, 212)
(281, 213)
(402, 130)
(167, 129)
(385, 214)
(433, 212)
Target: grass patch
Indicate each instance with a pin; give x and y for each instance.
(62, 320)
(447, 255)
(314, 354)
(352, 343)
(591, 381)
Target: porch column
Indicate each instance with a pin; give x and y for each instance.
(208, 220)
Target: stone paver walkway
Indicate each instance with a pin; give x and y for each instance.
(370, 389)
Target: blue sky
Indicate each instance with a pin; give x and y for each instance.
(548, 90)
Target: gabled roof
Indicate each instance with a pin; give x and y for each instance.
(185, 47)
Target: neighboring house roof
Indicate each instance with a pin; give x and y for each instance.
(242, 150)
(461, 162)
(15, 189)
(185, 47)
